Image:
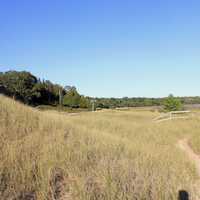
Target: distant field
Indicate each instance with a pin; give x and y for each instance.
(110, 154)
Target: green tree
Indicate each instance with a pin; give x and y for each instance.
(19, 84)
(72, 98)
(84, 102)
(172, 104)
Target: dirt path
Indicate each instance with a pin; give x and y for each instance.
(183, 144)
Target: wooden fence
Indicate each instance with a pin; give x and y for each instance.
(173, 115)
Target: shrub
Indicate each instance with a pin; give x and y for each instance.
(172, 104)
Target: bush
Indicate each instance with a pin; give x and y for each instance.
(172, 104)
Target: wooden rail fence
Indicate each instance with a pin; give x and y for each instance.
(173, 115)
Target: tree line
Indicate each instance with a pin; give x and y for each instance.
(142, 102)
(127, 102)
(29, 89)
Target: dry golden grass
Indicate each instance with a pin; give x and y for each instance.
(102, 155)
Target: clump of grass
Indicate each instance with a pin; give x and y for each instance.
(101, 155)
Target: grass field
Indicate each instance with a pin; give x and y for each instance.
(108, 155)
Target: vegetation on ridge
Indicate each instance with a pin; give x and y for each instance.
(27, 88)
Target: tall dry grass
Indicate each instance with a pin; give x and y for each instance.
(103, 155)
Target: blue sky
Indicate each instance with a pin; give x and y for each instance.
(110, 48)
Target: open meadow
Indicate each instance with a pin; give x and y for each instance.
(105, 155)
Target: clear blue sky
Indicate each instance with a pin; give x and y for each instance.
(105, 47)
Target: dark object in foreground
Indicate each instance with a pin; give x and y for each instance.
(183, 195)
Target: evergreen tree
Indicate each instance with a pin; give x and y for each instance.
(172, 104)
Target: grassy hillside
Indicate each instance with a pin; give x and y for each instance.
(101, 155)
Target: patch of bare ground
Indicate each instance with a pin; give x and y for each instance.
(184, 146)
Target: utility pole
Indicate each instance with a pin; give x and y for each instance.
(60, 97)
(93, 105)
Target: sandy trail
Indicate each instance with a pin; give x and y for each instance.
(183, 144)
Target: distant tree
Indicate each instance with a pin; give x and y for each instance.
(84, 102)
(47, 93)
(69, 88)
(41, 94)
(172, 104)
(19, 84)
(72, 98)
